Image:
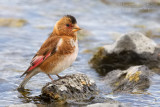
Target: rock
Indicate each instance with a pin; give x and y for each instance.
(135, 79)
(129, 49)
(12, 22)
(107, 105)
(72, 87)
(77, 103)
(23, 105)
(70, 90)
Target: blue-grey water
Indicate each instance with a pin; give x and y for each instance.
(104, 20)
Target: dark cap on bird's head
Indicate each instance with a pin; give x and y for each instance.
(67, 25)
(72, 18)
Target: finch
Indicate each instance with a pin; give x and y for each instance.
(57, 53)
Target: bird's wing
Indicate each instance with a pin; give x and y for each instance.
(47, 49)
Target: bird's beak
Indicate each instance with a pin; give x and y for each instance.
(76, 28)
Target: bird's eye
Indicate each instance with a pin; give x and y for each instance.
(67, 25)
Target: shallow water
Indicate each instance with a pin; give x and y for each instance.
(103, 19)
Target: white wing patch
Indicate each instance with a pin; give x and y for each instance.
(72, 42)
(59, 44)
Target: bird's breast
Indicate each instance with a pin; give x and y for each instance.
(66, 61)
(62, 59)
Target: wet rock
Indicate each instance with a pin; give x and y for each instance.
(128, 50)
(23, 105)
(93, 100)
(75, 103)
(135, 79)
(107, 105)
(72, 87)
(12, 22)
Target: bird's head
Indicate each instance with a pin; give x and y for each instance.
(67, 25)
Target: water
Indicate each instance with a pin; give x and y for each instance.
(103, 19)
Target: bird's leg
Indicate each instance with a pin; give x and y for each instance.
(59, 76)
(50, 77)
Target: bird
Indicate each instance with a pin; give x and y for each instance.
(57, 53)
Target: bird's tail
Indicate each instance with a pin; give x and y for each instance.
(26, 79)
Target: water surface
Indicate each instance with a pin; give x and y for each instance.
(103, 19)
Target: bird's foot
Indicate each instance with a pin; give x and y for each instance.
(50, 78)
(59, 76)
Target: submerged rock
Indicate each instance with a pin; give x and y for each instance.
(12, 22)
(128, 50)
(135, 79)
(72, 87)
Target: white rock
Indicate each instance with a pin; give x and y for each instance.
(134, 41)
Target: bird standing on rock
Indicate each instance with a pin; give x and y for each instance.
(57, 53)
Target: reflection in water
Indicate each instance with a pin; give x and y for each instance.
(24, 96)
(41, 101)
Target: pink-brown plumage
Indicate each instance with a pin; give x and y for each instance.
(57, 53)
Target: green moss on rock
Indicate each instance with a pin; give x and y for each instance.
(134, 79)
